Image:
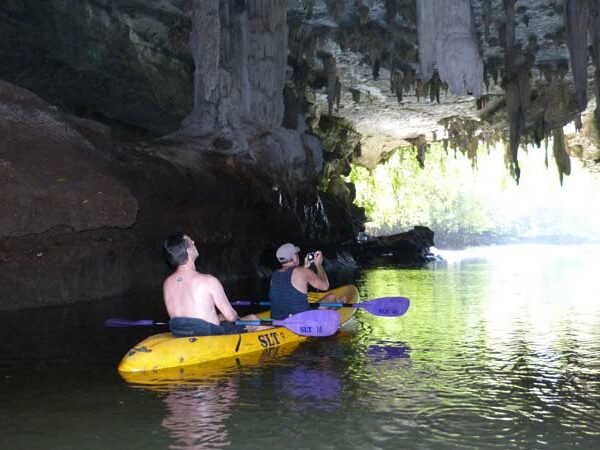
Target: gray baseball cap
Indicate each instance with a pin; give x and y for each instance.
(286, 252)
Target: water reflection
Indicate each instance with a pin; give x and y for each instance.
(387, 350)
(503, 348)
(195, 416)
(199, 399)
(500, 352)
(310, 388)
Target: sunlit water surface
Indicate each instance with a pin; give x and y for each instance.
(499, 349)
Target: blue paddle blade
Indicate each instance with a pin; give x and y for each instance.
(250, 303)
(386, 306)
(312, 323)
(130, 323)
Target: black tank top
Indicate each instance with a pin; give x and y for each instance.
(285, 298)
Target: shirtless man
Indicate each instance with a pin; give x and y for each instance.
(289, 284)
(192, 298)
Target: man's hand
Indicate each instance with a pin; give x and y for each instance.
(319, 279)
(318, 258)
(308, 260)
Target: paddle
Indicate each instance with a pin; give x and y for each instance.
(131, 323)
(307, 323)
(384, 306)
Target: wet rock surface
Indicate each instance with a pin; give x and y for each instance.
(50, 175)
(125, 61)
(409, 248)
(84, 213)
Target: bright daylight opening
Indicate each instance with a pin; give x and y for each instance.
(469, 203)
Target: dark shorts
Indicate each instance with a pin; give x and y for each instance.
(188, 326)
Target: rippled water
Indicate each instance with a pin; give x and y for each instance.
(500, 349)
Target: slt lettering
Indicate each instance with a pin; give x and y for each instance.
(268, 340)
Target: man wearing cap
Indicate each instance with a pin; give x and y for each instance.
(289, 284)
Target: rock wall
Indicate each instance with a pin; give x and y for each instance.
(83, 213)
(51, 175)
(125, 61)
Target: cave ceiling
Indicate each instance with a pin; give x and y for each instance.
(401, 72)
(527, 50)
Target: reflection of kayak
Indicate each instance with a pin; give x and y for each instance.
(161, 351)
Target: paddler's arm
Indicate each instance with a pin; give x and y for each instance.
(318, 280)
(221, 300)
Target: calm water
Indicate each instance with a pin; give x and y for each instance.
(500, 349)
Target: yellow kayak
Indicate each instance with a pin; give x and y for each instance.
(199, 374)
(163, 351)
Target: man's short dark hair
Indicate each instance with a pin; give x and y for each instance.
(175, 248)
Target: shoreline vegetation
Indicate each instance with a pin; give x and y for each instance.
(482, 205)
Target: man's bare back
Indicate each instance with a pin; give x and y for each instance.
(188, 293)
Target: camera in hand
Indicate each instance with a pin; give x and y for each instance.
(310, 256)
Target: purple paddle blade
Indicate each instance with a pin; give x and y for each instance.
(312, 323)
(386, 306)
(128, 323)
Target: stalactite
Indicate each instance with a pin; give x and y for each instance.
(267, 58)
(516, 85)
(308, 6)
(337, 93)
(240, 53)
(546, 152)
(375, 67)
(594, 32)
(508, 159)
(205, 43)
(396, 84)
(408, 79)
(539, 130)
(391, 9)
(363, 12)
(576, 18)
(465, 136)
(487, 17)
(447, 43)
(563, 161)
(482, 101)
(356, 95)
(490, 70)
(434, 87)
(420, 147)
(335, 8)
(267, 14)
(329, 66)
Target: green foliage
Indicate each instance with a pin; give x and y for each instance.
(398, 195)
(466, 206)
